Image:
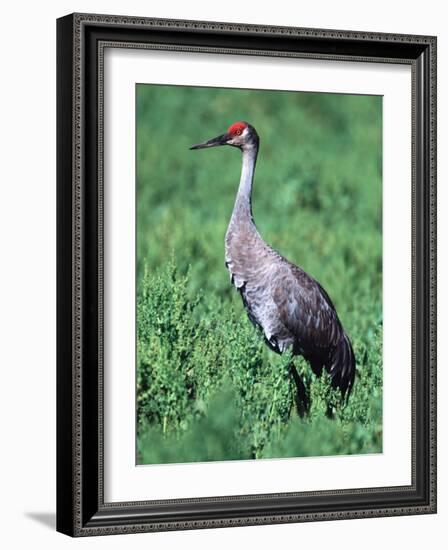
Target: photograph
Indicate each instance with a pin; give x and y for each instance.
(223, 286)
(246, 274)
(258, 274)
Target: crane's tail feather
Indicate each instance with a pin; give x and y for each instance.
(342, 366)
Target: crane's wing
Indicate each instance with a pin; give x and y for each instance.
(307, 312)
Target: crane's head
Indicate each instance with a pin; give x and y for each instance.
(240, 134)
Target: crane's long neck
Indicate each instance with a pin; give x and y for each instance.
(242, 210)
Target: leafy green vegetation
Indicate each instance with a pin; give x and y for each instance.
(207, 386)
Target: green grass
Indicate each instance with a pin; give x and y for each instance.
(207, 386)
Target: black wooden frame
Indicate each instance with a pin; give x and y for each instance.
(81, 39)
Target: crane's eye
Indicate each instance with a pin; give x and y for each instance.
(239, 132)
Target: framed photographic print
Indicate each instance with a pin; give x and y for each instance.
(246, 274)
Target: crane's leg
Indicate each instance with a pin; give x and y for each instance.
(302, 399)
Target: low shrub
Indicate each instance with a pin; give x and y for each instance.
(209, 389)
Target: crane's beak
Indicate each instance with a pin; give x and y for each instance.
(220, 140)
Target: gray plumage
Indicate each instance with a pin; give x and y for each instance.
(288, 305)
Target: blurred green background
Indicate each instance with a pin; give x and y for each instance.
(207, 386)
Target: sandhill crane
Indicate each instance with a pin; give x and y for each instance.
(291, 308)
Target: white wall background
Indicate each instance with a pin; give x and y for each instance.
(27, 299)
